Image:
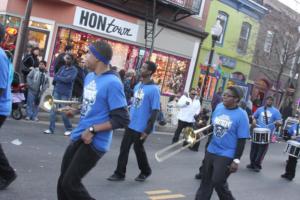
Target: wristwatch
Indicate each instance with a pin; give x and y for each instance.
(92, 130)
(236, 161)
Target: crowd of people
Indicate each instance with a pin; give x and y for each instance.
(106, 95)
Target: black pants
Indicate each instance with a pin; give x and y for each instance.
(257, 154)
(181, 125)
(202, 163)
(132, 137)
(6, 171)
(78, 160)
(290, 169)
(215, 174)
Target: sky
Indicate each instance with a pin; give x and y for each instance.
(294, 4)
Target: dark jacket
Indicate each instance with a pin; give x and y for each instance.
(59, 62)
(79, 82)
(28, 62)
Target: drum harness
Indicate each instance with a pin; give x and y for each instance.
(266, 116)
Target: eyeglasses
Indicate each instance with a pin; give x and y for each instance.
(228, 95)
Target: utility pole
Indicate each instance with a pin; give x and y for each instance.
(23, 36)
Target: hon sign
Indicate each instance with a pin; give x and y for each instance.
(105, 24)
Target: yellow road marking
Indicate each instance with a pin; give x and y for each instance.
(168, 196)
(154, 192)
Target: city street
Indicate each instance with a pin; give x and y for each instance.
(37, 162)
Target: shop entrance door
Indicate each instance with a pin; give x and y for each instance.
(39, 38)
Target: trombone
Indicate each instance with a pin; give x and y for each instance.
(50, 103)
(190, 137)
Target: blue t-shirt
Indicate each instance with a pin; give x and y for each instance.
(273, 115)
(228, 126)
(292, 131)
(146, 98)
(102, 94)
(5, 74)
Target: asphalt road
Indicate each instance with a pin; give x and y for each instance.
(37, 162)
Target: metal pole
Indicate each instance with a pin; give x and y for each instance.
(211, 55)
(154, 22)
(23, 36)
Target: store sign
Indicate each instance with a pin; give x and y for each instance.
(228, 62)
(105, 24)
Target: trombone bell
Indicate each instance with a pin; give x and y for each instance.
(50, 103)
(190, 137)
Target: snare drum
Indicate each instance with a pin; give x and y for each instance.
(261, 135)
(293, 148)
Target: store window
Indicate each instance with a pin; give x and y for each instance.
(171, 70)
(12, 25)
(223, 18)
(268, 41)
(244, 37)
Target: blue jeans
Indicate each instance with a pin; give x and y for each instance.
(66, 120)
(32, 109)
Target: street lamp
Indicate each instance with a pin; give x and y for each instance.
(216, 32)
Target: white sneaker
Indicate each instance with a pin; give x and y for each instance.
(48, 131)
(36, 119)
(67, 133)
(27, 118)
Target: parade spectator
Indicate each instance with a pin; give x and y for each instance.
(38, 82)
(30, 61)
(128, 88)
(63, 86)
(189, 107)
(287, 109)
(77, 91)
(60, 61)
(217, 98)
(7, 173)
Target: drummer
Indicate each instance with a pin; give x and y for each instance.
(267, 117)
(290, 168)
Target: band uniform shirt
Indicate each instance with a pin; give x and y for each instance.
(187, 112)
(273, 115)
(6, 97)
(145, 99)
(229, 125)
(102, 94)
(292, 131)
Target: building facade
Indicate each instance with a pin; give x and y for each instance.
(234, 49)
(273, 69)
(57, 23)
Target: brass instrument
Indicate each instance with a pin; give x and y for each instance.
(190, 138)
(50, 103)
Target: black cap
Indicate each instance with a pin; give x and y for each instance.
(237, 91)
(2, 32)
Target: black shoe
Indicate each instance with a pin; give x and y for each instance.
(250, 166)
(256, 169)
(285, 176)
(198, 176)
(116, 177)
(142, 177)
(4, 183)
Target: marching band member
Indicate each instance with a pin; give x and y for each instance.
(264, 117)
(222, 157)
(104, 108)
(290, 168)
(143, 113)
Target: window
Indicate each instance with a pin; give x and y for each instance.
(244, 37)
(223, 17)
(268, 41)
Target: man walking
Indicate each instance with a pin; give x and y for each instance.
(7, 173)
(143, 113)
(104, 108)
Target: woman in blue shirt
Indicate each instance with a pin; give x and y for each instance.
(222, 157)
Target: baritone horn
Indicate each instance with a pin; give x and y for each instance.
(50, 103)
(190, 138)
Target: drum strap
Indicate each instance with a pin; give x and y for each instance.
(266, 116)
(297, 131)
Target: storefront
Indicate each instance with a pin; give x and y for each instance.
(78, 23)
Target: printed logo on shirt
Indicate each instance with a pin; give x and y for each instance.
(221, 125)
(138, 98)
(89, 97)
